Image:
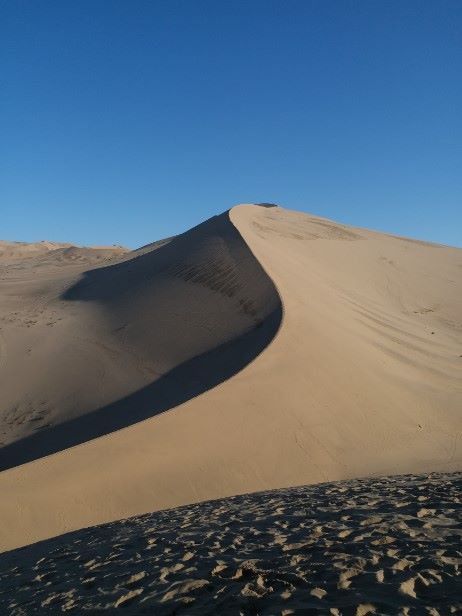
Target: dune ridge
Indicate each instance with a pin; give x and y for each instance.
(167, 324)
(362, 378)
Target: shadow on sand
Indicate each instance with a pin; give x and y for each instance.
(185, 380)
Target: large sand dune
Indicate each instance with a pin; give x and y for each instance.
(363, 376)
(124, 342)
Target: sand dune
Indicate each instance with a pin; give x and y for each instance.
(348, 548)
(363, 376)
(20, 252)
(131, 339)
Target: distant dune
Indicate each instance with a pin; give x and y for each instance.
(23, 251)
(263, 349)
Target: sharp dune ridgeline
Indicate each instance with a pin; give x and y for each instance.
(124, 342)
(263, 349)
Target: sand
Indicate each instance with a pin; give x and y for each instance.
(376, 546)
(263, 349)
(93, 352)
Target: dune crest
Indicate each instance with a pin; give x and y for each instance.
(362, 378)
(124, 342)
(373, 329)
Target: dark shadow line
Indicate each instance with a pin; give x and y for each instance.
(186, 381)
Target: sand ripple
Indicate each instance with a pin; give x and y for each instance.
(373, 546)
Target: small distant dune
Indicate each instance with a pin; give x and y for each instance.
(137, 337)
(33, 255)
(23, 250)
(83, 255)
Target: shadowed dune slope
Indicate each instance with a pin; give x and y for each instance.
(352, 547)
(362, 378)
(144, 335)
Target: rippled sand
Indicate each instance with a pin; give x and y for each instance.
(373, 546)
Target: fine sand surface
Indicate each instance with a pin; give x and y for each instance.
(167, 376)
(375, 546)
(97, 351)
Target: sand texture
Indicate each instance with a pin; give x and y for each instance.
(97, 351)
(374, 546)
(262, 349)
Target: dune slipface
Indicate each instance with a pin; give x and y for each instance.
(127, 341)
(362, 378)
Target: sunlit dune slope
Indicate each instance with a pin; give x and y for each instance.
(363, 376)
(370, 352)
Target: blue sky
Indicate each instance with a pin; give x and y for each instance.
(127, 121)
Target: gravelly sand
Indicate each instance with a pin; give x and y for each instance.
(386, 546)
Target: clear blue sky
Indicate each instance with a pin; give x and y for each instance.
(127, 121)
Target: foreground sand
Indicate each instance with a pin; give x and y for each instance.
(375, 546)
(167, 377)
